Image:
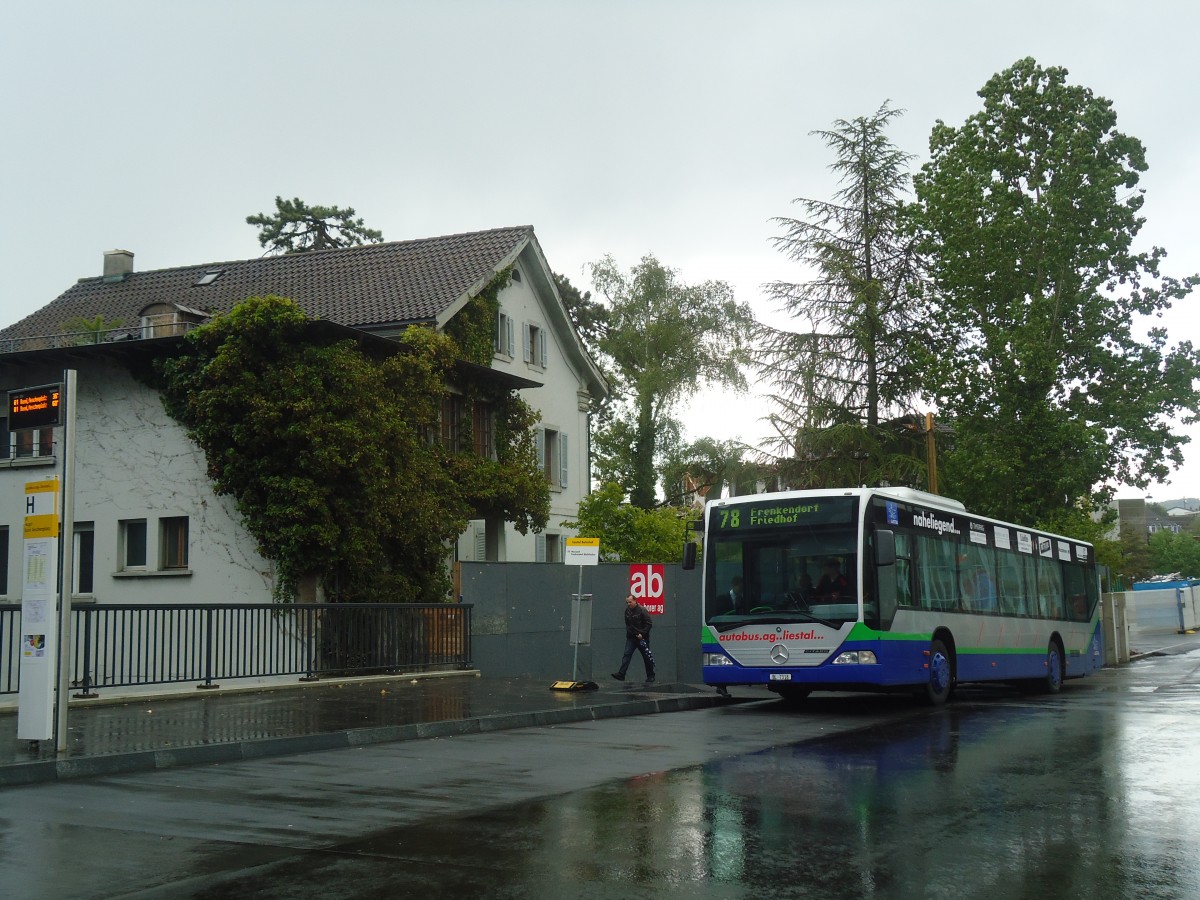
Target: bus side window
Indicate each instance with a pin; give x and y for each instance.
(1075, 585)
(1012, 591)
(904, 592)
(1049, 588)
(937, 573)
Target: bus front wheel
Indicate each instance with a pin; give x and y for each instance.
(940, 683)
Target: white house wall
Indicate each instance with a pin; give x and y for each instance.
(562, 406)
(134, 462)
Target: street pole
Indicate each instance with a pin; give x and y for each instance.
(66, 577)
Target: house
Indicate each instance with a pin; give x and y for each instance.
(148, 526)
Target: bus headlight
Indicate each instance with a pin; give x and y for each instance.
(717, 659)
(856, 657)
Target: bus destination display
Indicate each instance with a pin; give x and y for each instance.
(34, 407)
(823, 511)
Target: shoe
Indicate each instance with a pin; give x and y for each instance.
(650, 680)
(618, 676)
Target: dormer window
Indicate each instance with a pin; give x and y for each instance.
(169, 320)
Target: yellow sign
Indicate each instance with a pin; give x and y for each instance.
(49, 486)
(41, 526)
(583, 542)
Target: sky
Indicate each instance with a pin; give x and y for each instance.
(674, 128)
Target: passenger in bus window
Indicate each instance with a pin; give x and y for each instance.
(833, 586)
(982, 591)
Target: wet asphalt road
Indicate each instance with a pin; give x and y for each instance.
(1093, 793)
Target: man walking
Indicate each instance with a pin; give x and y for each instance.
(637, 636)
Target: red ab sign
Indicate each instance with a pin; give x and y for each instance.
(647, 585)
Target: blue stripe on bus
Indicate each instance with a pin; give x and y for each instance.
(903, 662)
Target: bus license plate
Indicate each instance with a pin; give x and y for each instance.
(781, 676)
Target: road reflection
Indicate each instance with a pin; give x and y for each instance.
(1020, 799)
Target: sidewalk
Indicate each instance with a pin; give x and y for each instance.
(210, 727)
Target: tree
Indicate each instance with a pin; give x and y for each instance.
(354, 494)
(662, 341)
(590, 316)
(1027, 215)
(297, 227)
(630, 534)
(1175, 553)
(848, 361)
(1136, 562)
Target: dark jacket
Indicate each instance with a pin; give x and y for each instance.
(637, 621)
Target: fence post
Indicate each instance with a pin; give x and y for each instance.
(310, 626)
(208, 653)
(86, 692)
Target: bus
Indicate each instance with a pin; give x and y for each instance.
(883, 589)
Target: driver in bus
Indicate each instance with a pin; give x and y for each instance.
(833, 585)
(735, 600)
(801, 592)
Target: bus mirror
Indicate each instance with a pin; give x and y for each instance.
(885, 548)
(689, 555)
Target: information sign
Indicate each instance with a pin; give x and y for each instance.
(37, 407)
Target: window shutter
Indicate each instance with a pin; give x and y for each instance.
(542, 346)
(480, 542)
(539, 544)
(525, 334)
(499, 335)
(562, 459)
(512, 345)
(540, 436)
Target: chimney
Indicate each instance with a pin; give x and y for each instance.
(117, 264)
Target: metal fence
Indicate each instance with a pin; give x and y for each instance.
(126, 645)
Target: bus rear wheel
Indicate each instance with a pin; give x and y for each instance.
(1053, 681)
(940, 683)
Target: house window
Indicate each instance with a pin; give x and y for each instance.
(85, 555)
(505, 343)
(132, 538)
(452, 415)
(483, 430)
(173, 542)
(31, 444)
(552, 454)
(548, 548)
(535, 345)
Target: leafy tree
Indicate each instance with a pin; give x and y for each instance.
(297, 227)
(590, 316)
(326, 451)
(704, 467)
(1136, 562)
(1027, 214)
(848, 360)
(663, 340)
(1171, 552)
(628, 533)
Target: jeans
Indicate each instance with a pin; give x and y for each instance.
(643, 646)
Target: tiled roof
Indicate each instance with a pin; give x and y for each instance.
(374, 285)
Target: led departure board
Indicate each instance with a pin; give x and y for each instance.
(34, 407)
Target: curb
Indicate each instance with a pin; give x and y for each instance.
(40, 771)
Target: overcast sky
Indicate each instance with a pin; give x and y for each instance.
(673, 128)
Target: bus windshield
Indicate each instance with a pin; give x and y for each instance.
(759, 572)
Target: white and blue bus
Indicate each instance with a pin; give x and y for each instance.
(890, 588)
